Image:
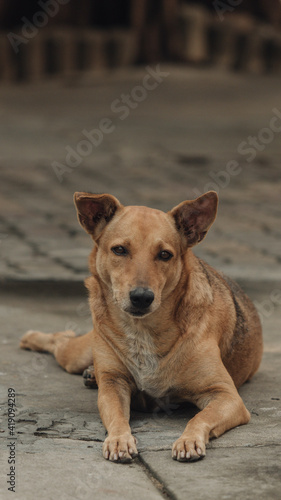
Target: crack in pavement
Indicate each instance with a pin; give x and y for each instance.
(154, 478)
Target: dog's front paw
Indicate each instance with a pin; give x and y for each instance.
(187, 449)
(120, 448)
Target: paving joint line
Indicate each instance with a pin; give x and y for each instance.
(154, 478)
(35, 248)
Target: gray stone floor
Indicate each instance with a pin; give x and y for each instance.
(59, 431)
(179, 141)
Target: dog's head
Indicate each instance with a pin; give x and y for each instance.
(140, 250)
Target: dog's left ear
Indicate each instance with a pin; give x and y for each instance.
(194, 218)
(95, 211)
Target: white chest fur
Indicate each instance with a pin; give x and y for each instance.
(142, 360)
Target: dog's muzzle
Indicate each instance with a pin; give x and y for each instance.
(141, 299)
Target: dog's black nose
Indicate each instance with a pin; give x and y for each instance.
(141, 298)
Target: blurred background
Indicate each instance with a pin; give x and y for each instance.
(69, 36)
(154, 102)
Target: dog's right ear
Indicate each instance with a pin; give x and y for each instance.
(95, 211)
(194, 218)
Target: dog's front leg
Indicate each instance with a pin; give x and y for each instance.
(114, 398)
(115, 387)
(221, 408)
(224, 411)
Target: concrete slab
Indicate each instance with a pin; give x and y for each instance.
(66, 469)
(232, 473)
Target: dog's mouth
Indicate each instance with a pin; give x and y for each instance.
(138, 313)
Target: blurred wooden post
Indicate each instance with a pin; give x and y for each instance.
(35, 65)
(94, 46)
(156, 28)
(7, 63)
(195, 21)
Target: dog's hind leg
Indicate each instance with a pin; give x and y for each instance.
(74, 354)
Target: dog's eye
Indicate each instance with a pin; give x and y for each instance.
(165, 255)
(119, 250)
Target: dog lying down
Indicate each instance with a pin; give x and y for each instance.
(166, 324)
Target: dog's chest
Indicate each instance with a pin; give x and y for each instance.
(142, 360)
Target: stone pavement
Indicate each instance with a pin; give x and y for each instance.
(196, 130)
(59, 431)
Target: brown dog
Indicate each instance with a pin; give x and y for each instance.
(165, 323)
